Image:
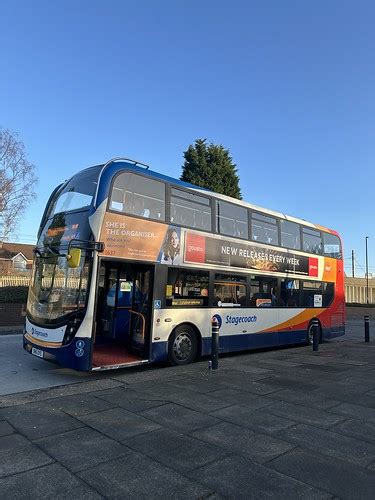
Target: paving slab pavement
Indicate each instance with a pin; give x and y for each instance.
(282, 423)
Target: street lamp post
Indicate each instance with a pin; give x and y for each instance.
(366, 271)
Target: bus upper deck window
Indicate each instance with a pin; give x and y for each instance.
(138, 195)
(332, 246)
(232, 220)
(264, 229)
(290, 234)
(311, 241)
(191, 210)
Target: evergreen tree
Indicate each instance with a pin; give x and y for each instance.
(211, 166)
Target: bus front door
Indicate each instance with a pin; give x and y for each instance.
(124, 306)
(140, 314)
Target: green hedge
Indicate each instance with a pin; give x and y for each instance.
(13, 294)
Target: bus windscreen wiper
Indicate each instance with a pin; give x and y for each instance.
(50, 249)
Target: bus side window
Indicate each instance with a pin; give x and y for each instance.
(242, 299)
(230, 290)
(311, 291)
(253, 301)
(136, 195)
(263, 292)
(289, 292)
(328, 293)
(187, 287)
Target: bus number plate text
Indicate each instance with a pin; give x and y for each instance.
(37, 352)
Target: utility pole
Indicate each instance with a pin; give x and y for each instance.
(353, 273)
(366, 271)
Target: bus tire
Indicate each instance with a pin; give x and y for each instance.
(309, 335)
(182, 345)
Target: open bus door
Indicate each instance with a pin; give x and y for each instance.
(123, 318)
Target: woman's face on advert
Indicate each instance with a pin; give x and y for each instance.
(174, 239)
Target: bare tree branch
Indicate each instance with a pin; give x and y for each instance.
(17, 181)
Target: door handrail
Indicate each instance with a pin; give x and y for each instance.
(143, 321)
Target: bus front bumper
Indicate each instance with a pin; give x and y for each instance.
(76, 355)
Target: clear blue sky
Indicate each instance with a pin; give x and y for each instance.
(287, 86)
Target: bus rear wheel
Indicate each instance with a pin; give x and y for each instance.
(183, 345)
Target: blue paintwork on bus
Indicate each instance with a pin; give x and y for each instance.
(159, 352)
(241, 342)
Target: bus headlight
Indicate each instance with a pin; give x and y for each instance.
(71, 330)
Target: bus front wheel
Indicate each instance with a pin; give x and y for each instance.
(183, 345)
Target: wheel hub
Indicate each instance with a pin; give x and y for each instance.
(182, 346)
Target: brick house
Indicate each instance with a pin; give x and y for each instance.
(15, 257)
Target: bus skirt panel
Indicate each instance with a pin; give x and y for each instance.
(159, 352)
(334, 331)
(76, 355)
(241, 342)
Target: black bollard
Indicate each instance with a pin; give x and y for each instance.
(367, 329)
(315, 330)
(215, 344)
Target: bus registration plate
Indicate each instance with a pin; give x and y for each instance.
(37, 352)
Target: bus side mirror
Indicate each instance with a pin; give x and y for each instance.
(74, 257)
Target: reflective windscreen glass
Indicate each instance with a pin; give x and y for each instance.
(77, 193)
(56, 289)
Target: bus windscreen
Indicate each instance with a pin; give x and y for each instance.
(77, 193)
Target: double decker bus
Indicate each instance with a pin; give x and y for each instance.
(131, 265)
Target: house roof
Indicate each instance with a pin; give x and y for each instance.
(10, 250)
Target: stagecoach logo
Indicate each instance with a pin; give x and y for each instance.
(235, 320)
(79, 353)
(38, 333)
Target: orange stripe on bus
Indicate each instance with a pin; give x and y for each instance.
(302, 317)
(42, 342)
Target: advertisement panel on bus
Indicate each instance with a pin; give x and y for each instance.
(130, 238)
